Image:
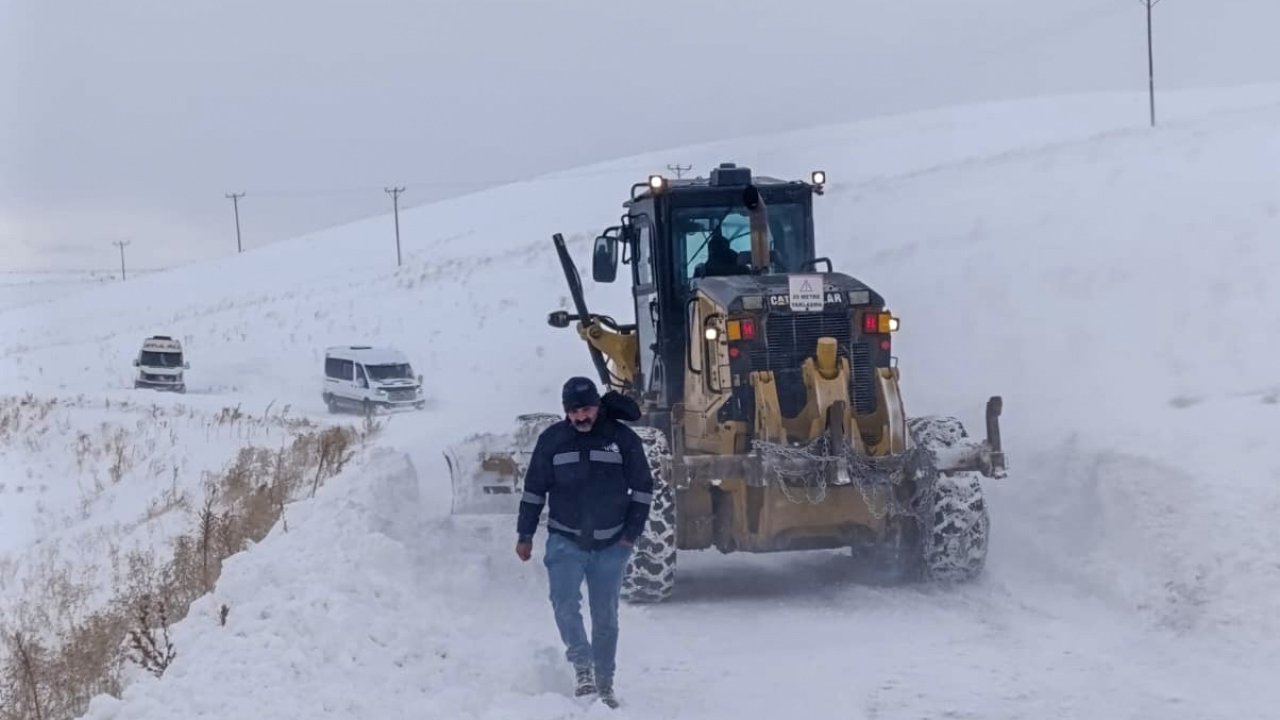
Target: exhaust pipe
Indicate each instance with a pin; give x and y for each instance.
(759, 214)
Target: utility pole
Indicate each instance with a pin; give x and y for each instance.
(1151, 60)
(679, 169)
(120, 244)
(395, 203)
(235, 202)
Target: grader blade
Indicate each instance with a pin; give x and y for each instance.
(487, 470)
(955, 451)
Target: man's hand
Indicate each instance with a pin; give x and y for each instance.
(524, 550)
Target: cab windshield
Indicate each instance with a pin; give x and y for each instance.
(717, 240)
(398, 371)
(152, 358)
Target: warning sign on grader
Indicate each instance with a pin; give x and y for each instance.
(806, 293)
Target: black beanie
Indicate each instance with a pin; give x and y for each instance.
(579, 392)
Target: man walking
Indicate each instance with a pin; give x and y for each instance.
(592, 472)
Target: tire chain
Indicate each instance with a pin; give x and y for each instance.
(871, 475)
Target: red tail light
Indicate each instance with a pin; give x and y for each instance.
(879, 323)
(748, 329)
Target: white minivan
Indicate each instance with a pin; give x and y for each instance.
(366, 378)
(160, 365)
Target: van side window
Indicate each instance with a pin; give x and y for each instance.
(337, 368)
(333, 368)
(360, 376)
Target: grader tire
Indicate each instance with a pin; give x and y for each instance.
(650, 576)
(957, 526)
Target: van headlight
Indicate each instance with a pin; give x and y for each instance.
(381, 391)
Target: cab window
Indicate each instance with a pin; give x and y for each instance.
(717, 240)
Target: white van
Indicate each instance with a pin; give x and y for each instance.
(160, 364)
(364, 377)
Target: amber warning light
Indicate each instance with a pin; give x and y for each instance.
(741, 329)
(879, 323)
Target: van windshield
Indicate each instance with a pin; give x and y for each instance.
(399, 371)
(151, 358)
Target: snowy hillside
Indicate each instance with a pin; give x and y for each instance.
(1115, 284)
(18, 289)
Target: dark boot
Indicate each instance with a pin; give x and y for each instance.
(605, 689)
(586, 684)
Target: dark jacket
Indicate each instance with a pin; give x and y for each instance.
(596, 485)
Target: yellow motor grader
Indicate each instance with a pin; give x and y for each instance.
(769, 397)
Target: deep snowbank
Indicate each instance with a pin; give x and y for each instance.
(340, 564)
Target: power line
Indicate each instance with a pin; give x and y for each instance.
(679, 169)
(235, 202)
(395, 203)
(1151, 60)
(364, 189)
(445, 184)
(121, 244)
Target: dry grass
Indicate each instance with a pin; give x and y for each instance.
(152, 651)
(56, 657)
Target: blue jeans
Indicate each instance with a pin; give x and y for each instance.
(567, 566)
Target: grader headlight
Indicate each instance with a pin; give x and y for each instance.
(818, 179)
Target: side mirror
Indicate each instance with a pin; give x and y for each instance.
(604, 260)
(558, 319)
(186, 366)
(419, 378)
(136, 363)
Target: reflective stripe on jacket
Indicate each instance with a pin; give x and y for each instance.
(595, 485)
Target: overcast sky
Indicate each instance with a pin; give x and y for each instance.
(130, 119)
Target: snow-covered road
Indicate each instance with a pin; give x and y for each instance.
(796, 634)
